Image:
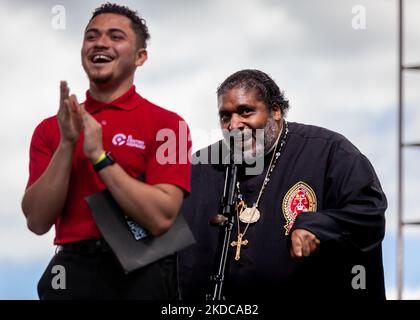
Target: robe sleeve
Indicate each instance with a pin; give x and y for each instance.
(354, 206)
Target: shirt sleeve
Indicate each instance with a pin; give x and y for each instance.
(169, 159)
(40, 152)
(354, 209)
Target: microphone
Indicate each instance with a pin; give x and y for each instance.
(228, 200)
(229, 190)
(225, 221)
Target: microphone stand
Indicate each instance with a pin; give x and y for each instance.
(225, 221)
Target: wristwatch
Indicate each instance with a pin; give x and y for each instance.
(107, 161)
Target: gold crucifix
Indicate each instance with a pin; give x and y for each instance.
(238, 245)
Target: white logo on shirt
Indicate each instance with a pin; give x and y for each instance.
(120, 139)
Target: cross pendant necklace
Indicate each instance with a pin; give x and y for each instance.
(251, 215)
(238, 245)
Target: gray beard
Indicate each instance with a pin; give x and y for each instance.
(270, 135)
(265, 140)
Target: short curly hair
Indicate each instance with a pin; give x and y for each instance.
(267, 90)
(138, 24)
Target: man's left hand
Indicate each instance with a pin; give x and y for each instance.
(92, 145)
(304, 243)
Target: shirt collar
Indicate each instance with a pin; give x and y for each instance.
(128, 101)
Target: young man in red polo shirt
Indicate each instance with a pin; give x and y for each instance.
(70, 159)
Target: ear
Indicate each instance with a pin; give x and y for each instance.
(276, 112)
(141, 57)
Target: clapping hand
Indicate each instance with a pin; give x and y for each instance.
(68, 116)
(73, 118)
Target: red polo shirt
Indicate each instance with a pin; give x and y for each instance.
(143, 139)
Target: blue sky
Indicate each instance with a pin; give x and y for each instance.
(335, 76)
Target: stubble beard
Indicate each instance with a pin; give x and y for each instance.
(98, 78)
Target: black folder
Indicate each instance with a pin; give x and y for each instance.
(131, 253)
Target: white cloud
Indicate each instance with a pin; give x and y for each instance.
(21, 246)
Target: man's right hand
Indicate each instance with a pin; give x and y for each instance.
(68, 118)
(304, 243)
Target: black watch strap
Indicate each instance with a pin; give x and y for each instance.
(108, 160)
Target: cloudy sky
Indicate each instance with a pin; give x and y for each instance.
(338, 70)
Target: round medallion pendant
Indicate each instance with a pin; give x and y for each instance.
(250, 215)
